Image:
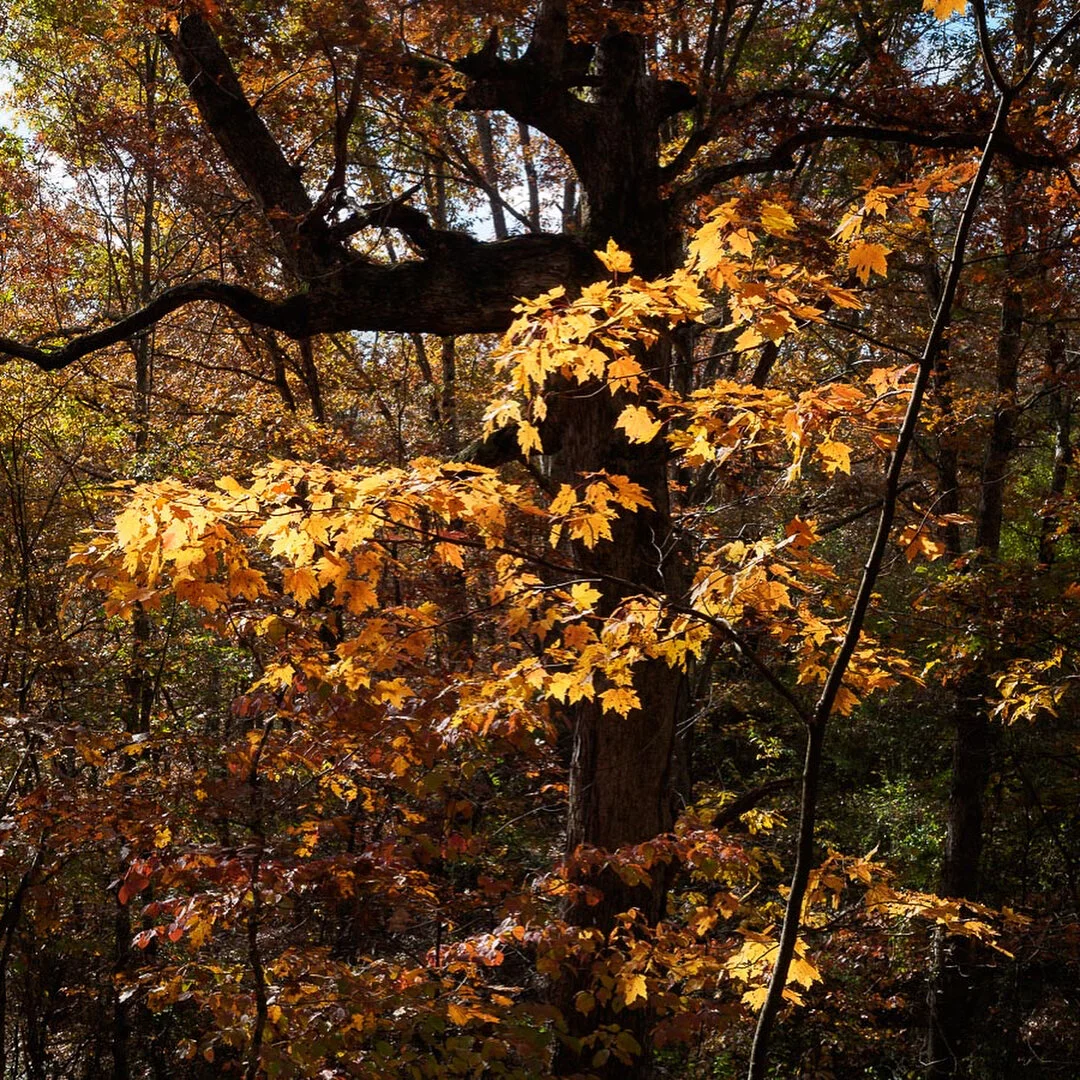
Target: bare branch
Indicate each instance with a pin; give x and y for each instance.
(284, 315)
(782, 157)
(251, 150)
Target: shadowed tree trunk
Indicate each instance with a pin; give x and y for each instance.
(958, 979)
(1061, 410)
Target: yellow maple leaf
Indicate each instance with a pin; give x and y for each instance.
(248, 583)
(199, 932)
(301, 583)
(748, 339)
(622, 374)
(703, 920)
(770, 596)
(395, 692)
(175, 536)
(639, 424)
(775, 325)
(915, 542)
(842, 297)
(332, 569)
(802, 533)
(803, 972)
(942, 9)
(846, 700)
(835, 456)
(584, 595)
(529, 438)
(633, 987)
(775, 219)
(615, 259)
(741, 241)
(620, 699)
(577, 635)
(590, 529)
(559, 684)
(627, 493)
(450, 554)
(866, 257)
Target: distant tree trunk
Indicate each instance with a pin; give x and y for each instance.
(1061, 409)
(312, 382)
(532, 183)
(957, 980)
(1001, 444)
(448, 395)
(279, 359)
(571, 207)
(491, 178)
(946, 458)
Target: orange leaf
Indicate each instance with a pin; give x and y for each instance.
(639, 424)
(835, 456)
(866, 257)
(942, 9)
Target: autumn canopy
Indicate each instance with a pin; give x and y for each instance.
(539, 539)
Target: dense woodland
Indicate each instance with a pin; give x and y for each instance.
(539, 539)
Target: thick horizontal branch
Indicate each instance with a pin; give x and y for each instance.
(254, 308)
(466, 287)
(462, 287)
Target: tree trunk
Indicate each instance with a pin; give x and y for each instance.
(621, 772)
(491, 177)
(1000, 446)
(956, 983)
(947, 457)
(1061, 408)
(532, 182)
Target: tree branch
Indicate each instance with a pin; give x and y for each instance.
(464, 287)
(747, 801)
(782, 156)
(283, 315)
(251, 150)
(535, 88)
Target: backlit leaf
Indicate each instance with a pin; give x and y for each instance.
(638, 423)
(943, 9)
(614, 258)
(864, 258)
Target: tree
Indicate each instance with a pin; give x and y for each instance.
(654, 123)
